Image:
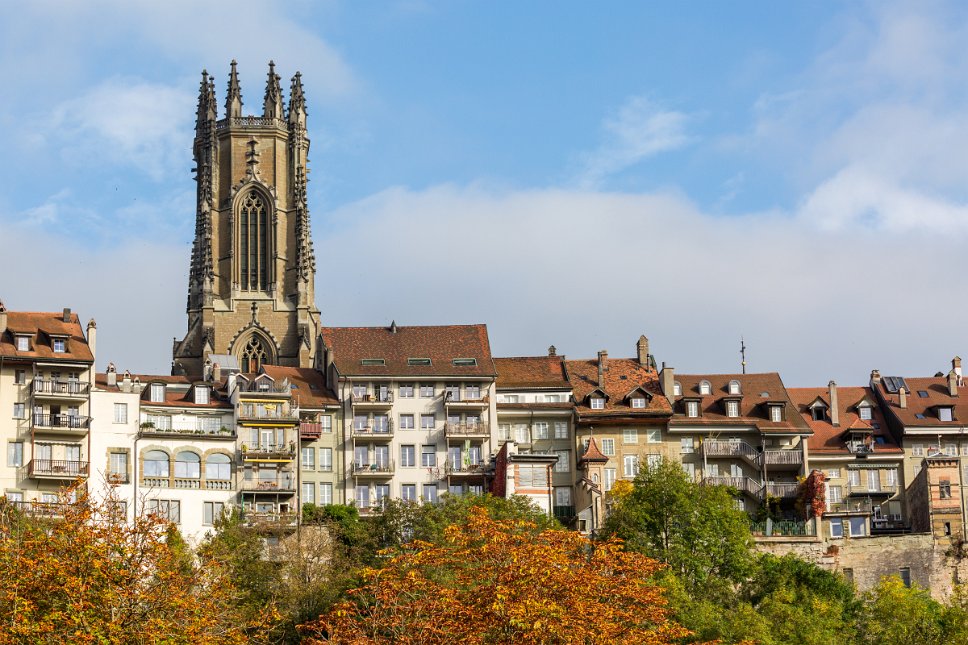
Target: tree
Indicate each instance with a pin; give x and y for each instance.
(895, 614)
(694, 529)
(497, 581)
(88, 576)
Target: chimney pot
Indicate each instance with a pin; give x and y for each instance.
(902, 395)
(552, 351)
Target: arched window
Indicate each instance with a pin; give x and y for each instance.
(705, 387)
(734, 387)
(254, 243)
(156, 463)
(187, 465)
(253, 355)
(218, 466)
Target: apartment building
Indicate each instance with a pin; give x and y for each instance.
(619, 403)
(418, 406)
(738, 430)
(535, 419)
(861, 462)
(46, 370)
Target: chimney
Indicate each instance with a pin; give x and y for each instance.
(552, 351)
(3, 318)
(112, 375)
(902, 394)
(667, 379)
(67, 314)
(230, 385)
(875, 378)
(92, 343)
(602, 366)
(834, 405)
(956, 366)
(207, 370)
(952, 383)
(126, 381)
(217, 373)
(642, 350)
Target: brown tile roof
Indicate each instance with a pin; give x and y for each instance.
(936, 389)
(101, 380)
(755, 391)
(830, 439)
(622, 375)
(441, 344)
(530, 371)
(41, 326)
(310, 390)
(180, 397)
(592, 453)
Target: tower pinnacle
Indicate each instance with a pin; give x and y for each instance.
(233, 101)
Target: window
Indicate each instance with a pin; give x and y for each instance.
(326, 423)
(638, 402)
(944, 488)
(168, 509)
(732, 408)
(427, 421)
(465, 362)
(853, 478)
(630, 435)
(187, 465)
(325, 493)
(563, 465)
(218, 467)
(836, 528)
(541, 430)
(382, 494)
(201, 395)
(406, 390)
(944, 414)
(654, 460)
(692, 409)
(373, 362)
(309, 492)
(15, 454)
(308, 458)
(818, 413)
(917, 449)
(430, 493)
(408, 492)
(452, 392)
(734, 387)
(865, 413)
(705, 388)
(630, 466)
(836, 494)
(155, 463)
(406, 422)
(562, 496)
(157, 393)
(532, 476)
(891, 476)
(610, 476)
(848, 574)
(690, 470)
(363, 497)
(19, 411)
(118, 466)
(23, 343)
(951, 449)
(833, 473)
(561, 430)
(20, 377)
(120, 412)
(654, 435)
(873, 480)
(408, 456)
(428, 456)
(552, 398)
(212, 511)
(359, 392)
(426, 390)
(608, 447)
(60, 345)
(597, 403)
(776, 413)
(686, 446)
(677, 389)
(472, 392)
(507, 398)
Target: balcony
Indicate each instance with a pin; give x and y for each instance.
(858, 506)
(378, 400)
(563, 514)
(56, 469)
(269, 451)
(731, 450)
(374, 432)
(860, 447)
(48, 389)
(41, 509)
(70, 424)
(782, 490)
(310, 431)
(379, 469)
(783, 459)
(454, 399)
(268, 519)
(466, 430)
(865, 490)
(783, 528)
(199, 431)
(742, 484)
(466, 470)
(277, 485)
(267, 412)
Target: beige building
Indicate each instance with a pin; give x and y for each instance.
(46, 371)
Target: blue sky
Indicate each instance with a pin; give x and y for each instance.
(569, 173)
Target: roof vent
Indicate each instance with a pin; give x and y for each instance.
(393, 326)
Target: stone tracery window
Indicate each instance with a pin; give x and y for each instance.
(254, 355)
(253, 243)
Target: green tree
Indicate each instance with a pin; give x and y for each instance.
(897, 615)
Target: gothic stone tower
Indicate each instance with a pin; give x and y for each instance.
(251, 283)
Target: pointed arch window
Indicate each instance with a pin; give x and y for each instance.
(254, 355)
(254, 243)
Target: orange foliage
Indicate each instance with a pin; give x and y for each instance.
(85, 575)
(501, 582)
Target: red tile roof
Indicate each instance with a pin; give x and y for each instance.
(936, 390)
(441, 344)
(41, 326)
(830, 439)
(622, 375)
(310, 390)
(756, 390)
(178, 397)
(592, 453)
(530, 372)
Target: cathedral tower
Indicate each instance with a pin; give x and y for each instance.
(251, 282)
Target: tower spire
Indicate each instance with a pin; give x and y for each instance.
(272, 105)
(233, 101)
(297, 102)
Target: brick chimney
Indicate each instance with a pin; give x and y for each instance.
(552, 351)
(67, 314)
(834, 406)
(642, 350)
(952, 383)
(667, 380)
(602, 367)
(902, 394)
(956, 368)
(3, 318)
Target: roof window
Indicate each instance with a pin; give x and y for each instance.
(734, 387)
(944, 414)
(373, 362)
(23, 343)
(465, 362)
(418, 361)
(705, 387)
(201, 394)
(923, 394)
(677, 389)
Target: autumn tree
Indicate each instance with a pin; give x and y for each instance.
(502, 581)
(86, 575)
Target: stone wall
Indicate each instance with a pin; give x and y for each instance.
(867, 559)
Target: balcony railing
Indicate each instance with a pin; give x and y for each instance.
(57, 468)
(783, 490)
(455, 397)
(733, 449)
(279, 484)
(743, 484)
(269, 451)
(863, 506)
(60, 421)
(268, 519)
(148, 428)
(377, 399)
(466, 429)
(60, 388)
(460, 468)
(310, 431)
(783, 457)
(563, 513)
(377, 469)
(382, 431)
(860, 447)
(782, 528)
(865, 489)
(253, 412)
(41, 509)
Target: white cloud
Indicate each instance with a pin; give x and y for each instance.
(640, 129)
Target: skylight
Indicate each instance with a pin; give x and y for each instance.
(418, 361)
(465, 362)
(374, 362)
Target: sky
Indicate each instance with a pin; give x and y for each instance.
(791, 174)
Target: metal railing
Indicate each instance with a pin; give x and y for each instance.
(783, 490)
(460, 468)
(852, 506)
(66, 388)
(465, 429)
(783, 457)
(742, 484)
(280, 484)
(379, 468)
(455, 397)
(377, 398)
(373, 431)
(737, 449)
(783, 528)
(69, 421)
(57, 468)
(562, 513)
(865, 489)
(258, 412)
(266, 450)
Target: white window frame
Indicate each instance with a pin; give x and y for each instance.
(608, 447)
(687, 445)
(120, 412)
(563, 465)
(611, 476)
(692, 409)
(325, 493)
(630, 435)
(561, 430)
(597, 403)
(630, 465)
(732, 408)
(638, 403)
(653, 435)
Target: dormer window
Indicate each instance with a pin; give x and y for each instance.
(201, 394)
(776, 413)
(732, 408)
(638, 402)
(705, 388)
(692, 409)
(864, 413)
(23, 343)
(945, 414)
(818, 412)
(677, 389)
(597, 403)
(59, 345)
(156, 393)
(734, 387)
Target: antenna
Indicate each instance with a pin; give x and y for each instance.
(742, 352)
